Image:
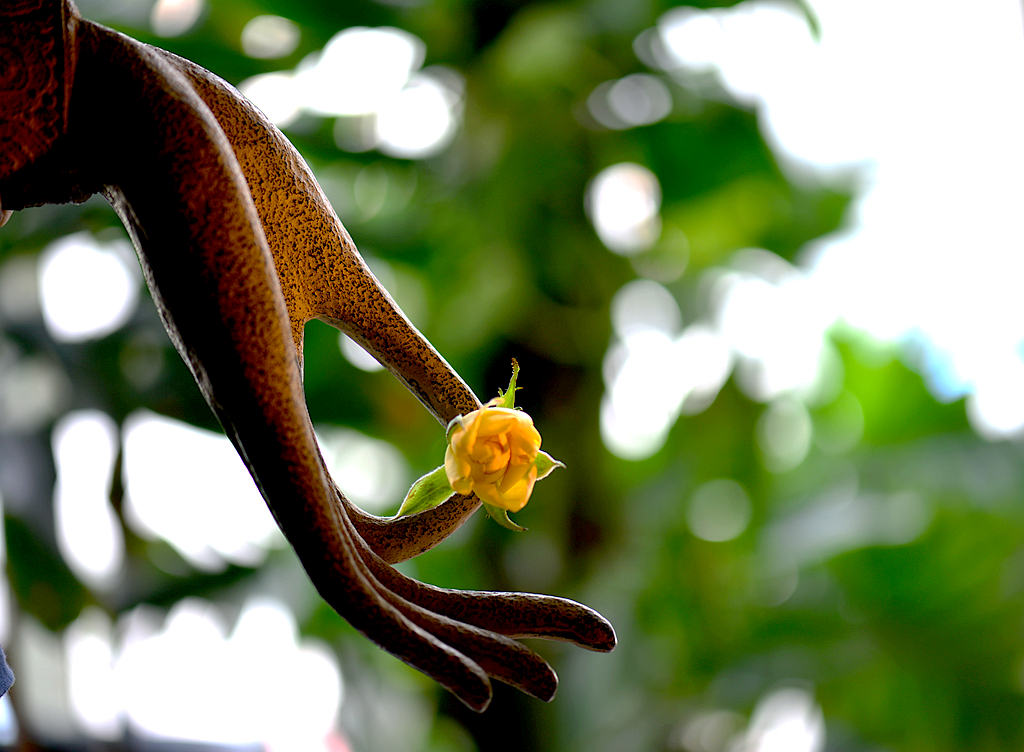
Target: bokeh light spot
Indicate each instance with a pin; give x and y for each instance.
(89, 533)
(276, 95)
(642, 401)
(19, 289)
(652, 373)
(420, 120)
(372, 473)
(189, 487)
(719, 510)
(637, 99)
(643, 305)
(784, 433)
(706, 361)
(95, 698)
(623, 202)
(786, 720)
(172, 18)
(87, 290)
(640, 99)
(269, 37)
(359, 70)
(370, 79)
(33, 390)
(692, 39)
(996, 408)
(213, 685)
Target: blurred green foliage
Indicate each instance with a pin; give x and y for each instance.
(908, 645)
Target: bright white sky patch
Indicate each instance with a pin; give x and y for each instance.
(89, 533)
(919, 107)
(652, 372)
(641, 371)
(996, 408)
(189, 487)
(775, 320)
(87, 290)
(934, 254)
(643, 394)
(192, 680)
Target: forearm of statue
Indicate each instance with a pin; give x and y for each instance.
(240, 248)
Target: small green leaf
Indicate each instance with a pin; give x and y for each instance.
(545, 463)
(426, 493)
(508, 397)
(500, 516)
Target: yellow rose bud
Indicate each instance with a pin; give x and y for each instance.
(492, 452)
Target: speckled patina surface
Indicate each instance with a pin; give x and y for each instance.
(240, 249)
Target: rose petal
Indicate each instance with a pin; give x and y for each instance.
(472, 428)
(516, 497)
(482, 478)
(497, 420)
(525, 430)
(490, 455)
(457, 470)
(513, 475)
(524, 445)
(487, 492)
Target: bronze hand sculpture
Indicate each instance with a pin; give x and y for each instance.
(240, 249)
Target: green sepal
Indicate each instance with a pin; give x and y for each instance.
(545, 463)
(500, 516)
(426, 493)
(508, 397)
